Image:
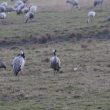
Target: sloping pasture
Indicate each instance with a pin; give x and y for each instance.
(81, 45)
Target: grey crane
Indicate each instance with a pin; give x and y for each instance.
(74, 3)
(55, 62)
(18, 63)
(31, 13)
(29, 16)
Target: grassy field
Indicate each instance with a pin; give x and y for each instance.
(81, 45)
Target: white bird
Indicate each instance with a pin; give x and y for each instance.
(55, 62)
(18, 63)
(91, 16)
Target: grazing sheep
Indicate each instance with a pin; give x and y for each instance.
(3, 15)
(98, 2)
(18, 63)
(91, 16)
(74, 3)
(55, 62)
(2, 65)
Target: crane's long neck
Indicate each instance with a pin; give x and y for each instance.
(54, 53)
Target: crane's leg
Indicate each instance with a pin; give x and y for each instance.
(26, 20)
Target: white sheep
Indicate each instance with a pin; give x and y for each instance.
(91, 16)
(74, 3)
(98, 2)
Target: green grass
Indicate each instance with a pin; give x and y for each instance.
(37, 88)
(58, 24)
(75, 105)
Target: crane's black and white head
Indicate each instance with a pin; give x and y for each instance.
(54, 52)
(22, 54)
